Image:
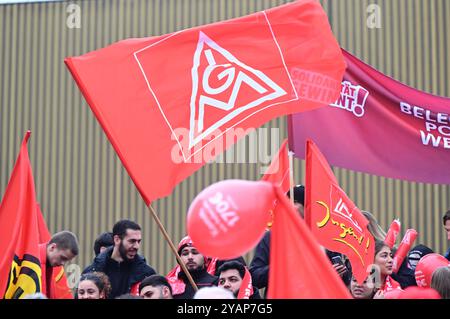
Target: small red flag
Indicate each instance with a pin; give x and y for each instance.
(20, 267)
(172, 103)
(60, 287)
(299, 267)
(333, 218)
(278, 171)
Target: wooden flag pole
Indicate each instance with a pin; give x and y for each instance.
(291, 176)
(172, 247)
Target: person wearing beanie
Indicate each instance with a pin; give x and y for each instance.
(259, 267)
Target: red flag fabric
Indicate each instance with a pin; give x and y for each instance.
(389, 125)
(278, 171)
(333, 218)
(20, 268)
(246, 290)
(60, 287)
(178, 285)
(403, 249)
(170, 104)
(299, 267)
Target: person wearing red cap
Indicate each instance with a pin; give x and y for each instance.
(195, 264)
(419, 293)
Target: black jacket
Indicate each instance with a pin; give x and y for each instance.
(201, 278)
(259, 267)
(121, 275)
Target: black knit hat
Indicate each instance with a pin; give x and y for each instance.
(299, 194)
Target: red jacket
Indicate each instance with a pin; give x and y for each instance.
(57, 287)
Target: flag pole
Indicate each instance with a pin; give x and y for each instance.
(291, 176)
(172, 247)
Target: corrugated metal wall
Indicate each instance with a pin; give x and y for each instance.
(80, 181)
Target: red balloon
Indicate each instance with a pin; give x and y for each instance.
(426, 266)
(228, 218)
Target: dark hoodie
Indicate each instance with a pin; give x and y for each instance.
(123, 276)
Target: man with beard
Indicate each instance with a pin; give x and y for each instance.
(121, 262)
(195, 264)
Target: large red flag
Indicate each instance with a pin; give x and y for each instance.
(299, 267)
(20, 267)
(333, 218)
(169, 104)
(278, 171)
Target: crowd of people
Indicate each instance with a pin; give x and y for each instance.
(118, 271)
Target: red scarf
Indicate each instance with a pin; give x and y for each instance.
(390, 284)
